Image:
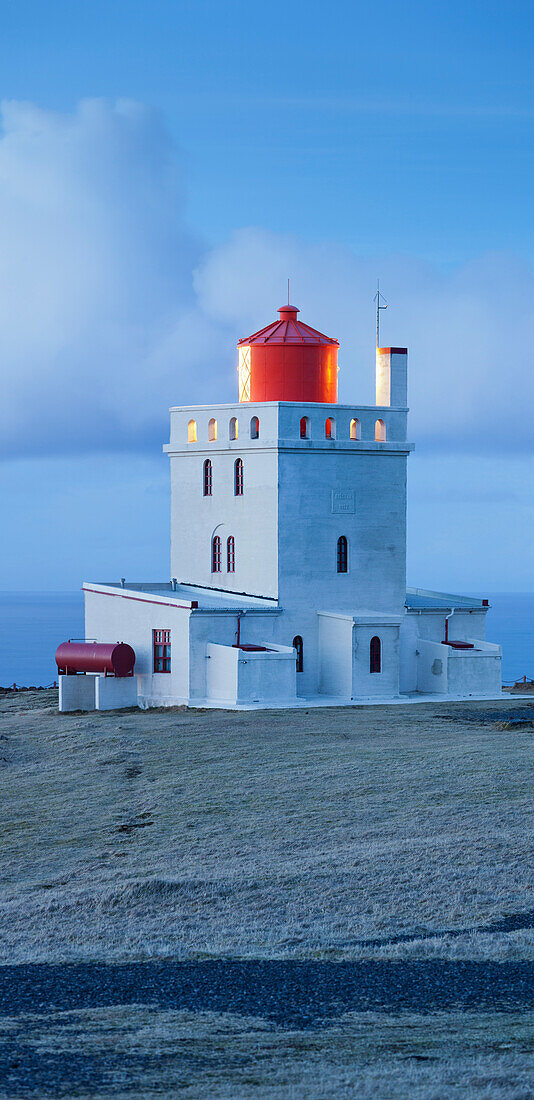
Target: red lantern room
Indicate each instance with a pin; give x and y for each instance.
(288, 361)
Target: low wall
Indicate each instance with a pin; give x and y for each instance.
(432, 666)
(239, 677)
(476, 671)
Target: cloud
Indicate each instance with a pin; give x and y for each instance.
(111, 309)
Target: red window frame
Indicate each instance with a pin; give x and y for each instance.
(238, 477)
(216, 554)
(208, 478)
(230, 554)
(375, 655)
(161, 651)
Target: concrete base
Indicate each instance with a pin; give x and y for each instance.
(115, 693)
(317, 701)
(76, 693)
(90, 692)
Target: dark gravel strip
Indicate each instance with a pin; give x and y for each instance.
(289, 993)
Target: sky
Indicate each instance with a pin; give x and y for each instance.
(165, 166)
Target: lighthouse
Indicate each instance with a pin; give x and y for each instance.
(288, 549)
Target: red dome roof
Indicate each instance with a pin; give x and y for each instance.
(288, 331)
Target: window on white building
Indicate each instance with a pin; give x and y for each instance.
(299, 647)
(238, 477)
(161, 649)
(207, 478)
(233, 428)
(192, 431)
(342, 554)
(355, 429)
(304, 427)
(230, 554)
(216, 554)
(254, 428)
(375, 655)
(380, 431)
(330, 428)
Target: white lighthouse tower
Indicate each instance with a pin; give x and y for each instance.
(288, 549)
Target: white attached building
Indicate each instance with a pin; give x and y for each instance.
(288, 551)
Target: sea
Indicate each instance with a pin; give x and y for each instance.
(32, 624)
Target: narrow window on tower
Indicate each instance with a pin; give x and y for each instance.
(330, 428)
(254, 428)
(298, 646)
(216, 554)
(212, 430)
(192, 431)
(342, 554)
(230, 555)
(233, 428)
(380, 431)
(375, 660)
(238, 477)
(161, 650)
(355, 429)
(207, 478)
(305, 427)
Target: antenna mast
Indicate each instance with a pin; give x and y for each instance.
(379, 299)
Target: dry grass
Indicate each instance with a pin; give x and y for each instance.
(380, 832)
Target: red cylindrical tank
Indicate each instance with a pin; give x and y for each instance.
(288, 361)
(114, 658)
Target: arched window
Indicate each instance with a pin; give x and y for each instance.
(192, 431)
(233, 428)
(216, 554)
(375, 660)
(380, 431)
(330, 428)
(212, 430)
(230, 554)
(355, 429)
(342, 554)
(304, 427)
(254, 428)
(297, 644)
(207, 478)
(238, 477)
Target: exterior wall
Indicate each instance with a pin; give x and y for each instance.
(313, 486)
(121, 616)
(335, 655)
(252, 518)
(463, 626)
(364, 682)
(407, 653)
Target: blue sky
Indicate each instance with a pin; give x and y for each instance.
(164, 167)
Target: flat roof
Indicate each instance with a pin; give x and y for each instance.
(422, 599)
(208, 599)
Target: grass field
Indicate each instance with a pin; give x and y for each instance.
(395, 833)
